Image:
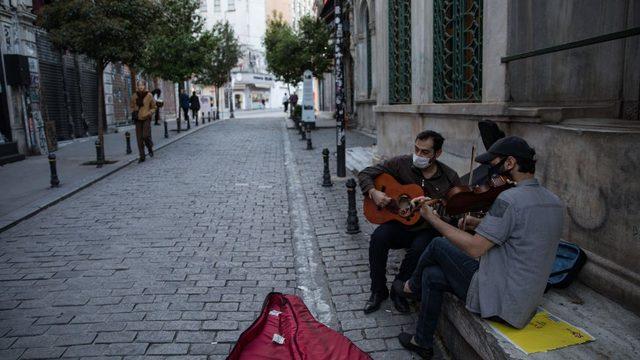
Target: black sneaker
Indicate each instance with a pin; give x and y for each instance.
(141, 160)
(405, 341)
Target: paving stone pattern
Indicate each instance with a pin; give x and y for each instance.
(173, 257)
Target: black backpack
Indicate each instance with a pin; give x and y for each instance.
(569, 260)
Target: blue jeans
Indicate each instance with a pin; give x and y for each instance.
(442, 267)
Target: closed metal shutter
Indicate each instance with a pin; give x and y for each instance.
(89, 88)
(51, 88)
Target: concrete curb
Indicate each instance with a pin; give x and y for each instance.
(15, 217)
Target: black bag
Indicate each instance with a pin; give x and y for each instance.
(569, 260)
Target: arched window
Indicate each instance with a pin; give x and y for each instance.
(400, 51)
(457, 50)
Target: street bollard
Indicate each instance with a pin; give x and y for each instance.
(208, 116)
(188, 123)
(326, 176)
(308, 132)
(352, 214)
(127, 137)
(303, 134)
(55, 182)
(178, 124)
(99, 158)
(166, 130)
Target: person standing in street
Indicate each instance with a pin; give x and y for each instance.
(293, 100)
(285, 102)
(142, 108)
(194, 105)
(184, 104)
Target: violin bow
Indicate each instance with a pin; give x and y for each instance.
(473, 156)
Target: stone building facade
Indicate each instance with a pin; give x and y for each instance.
(447, 64)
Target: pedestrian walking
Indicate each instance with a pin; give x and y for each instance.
(194, 105)
(184, 104)
(157, 97)
(285, 102)
(263, 103)
(293, 100)
(142, 108)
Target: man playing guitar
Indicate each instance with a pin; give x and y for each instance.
(435, 178)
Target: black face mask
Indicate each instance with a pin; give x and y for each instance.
(497, 169)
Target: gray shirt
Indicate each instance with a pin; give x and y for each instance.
(525, 223)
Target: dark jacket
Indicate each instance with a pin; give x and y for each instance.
(402, 169)
(184, 101)
(194, 102)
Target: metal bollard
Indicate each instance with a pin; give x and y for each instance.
(99, 158)
(308, 132)
(303, 134)
(55, 182)
(127, 137)
(326, 176)
(352, 214)
(166, 130)
(208, 116)
(178, 124)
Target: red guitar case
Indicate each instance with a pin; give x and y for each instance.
(286, 329)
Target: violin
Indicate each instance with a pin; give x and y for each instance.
(472, 199)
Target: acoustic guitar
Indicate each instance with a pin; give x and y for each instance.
(401, 207)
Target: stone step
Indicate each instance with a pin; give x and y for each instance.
(616, 330)
(358, 158)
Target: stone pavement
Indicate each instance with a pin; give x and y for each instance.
(173, 257)
(26, 184)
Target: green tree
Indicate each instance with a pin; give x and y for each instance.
(282, 47)
(316, 54)
(223, 55)
(176, 49)
(107, 31)
(290, 52)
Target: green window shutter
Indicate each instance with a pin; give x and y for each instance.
(400, 51)
(457, 50)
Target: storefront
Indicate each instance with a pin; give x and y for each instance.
(252, 91)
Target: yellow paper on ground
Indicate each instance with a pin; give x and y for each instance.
(545, 332)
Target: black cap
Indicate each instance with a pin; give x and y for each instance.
(508, 146)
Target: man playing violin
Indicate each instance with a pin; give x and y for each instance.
(515, 242)
(435, 179)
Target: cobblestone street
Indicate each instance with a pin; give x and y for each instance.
(173, 257)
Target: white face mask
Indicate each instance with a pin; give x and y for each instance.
(421, 162)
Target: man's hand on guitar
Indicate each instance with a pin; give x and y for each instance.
(426, 209)
(470, 224)
(379, 198)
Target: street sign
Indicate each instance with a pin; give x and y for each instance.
(308, 115)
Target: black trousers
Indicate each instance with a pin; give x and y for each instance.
(194, 113)
(185, 111)
(393, 235)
